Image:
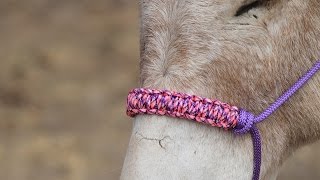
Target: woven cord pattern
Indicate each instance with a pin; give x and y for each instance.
(181, 105)
(257, 151)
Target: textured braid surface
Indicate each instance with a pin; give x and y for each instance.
(181, 105)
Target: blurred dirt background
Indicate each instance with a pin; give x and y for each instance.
(65, 69)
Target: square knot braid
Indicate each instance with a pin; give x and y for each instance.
(181, 105)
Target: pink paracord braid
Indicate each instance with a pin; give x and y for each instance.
(180, 105)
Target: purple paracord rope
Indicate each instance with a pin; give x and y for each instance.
(247, 120)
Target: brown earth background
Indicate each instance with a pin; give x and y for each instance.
(65, 69)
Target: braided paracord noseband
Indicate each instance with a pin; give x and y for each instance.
(212, 112)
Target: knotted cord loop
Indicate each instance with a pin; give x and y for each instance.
(245, 122)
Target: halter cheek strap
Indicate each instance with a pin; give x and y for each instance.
(210, 112)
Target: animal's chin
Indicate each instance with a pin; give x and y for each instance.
(173, 148)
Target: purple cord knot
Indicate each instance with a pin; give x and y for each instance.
(245, 123)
